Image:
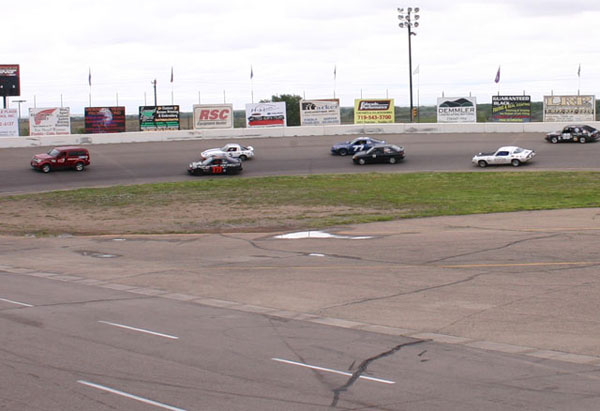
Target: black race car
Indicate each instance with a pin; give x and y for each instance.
(382, 153)
(215, 165)
(577, 133)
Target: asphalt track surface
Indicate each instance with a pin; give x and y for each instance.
(495, 312)
(134, 163)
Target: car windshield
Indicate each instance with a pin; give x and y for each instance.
(54, 152)
(590, 129)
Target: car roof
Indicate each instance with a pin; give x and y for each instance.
(508, 148)
(70, 148)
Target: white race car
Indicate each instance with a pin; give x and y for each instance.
(230, 150)
(504, 155)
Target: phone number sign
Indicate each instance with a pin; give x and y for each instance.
(373, 111)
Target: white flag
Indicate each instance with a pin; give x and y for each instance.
(416, 71)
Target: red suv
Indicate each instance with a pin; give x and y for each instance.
(62, 157)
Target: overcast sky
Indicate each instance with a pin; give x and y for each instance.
(293, 48)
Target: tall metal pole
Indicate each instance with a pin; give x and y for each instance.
(408, 27)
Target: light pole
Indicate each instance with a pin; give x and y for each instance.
(19, 105)
(406, 19)
(153, 82)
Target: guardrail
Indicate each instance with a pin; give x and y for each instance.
(242, 133)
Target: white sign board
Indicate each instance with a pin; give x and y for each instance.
(9, 122)
(456, 110)
(569, 108)
(213, 116)
(320, 112)
(49, 121)
(266, 115)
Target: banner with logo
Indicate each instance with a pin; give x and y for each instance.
(266, 115)
(49, 121)
(213, 116)
(456, 110)
(10, 84)
(373, 111)
(569, 108)
(104, 120)
(9, 122)
(158, 118)
(511, 109)
(320, 112)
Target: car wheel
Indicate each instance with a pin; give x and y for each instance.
(515, 162)
(582, 140)
(46, 168)
(392, 160)
(361, 161)
(343, 152)
(79, 166)
(243, 157)
(482, 164)
(554, 140)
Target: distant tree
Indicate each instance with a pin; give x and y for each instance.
(292, 107)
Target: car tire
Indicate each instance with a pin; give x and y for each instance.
(582, 140)
(79, 166)
(243, 157)
(361, 161)
(515, 162)
(482, 164)
(392, 160)
(343, 152)
(554, 140)
(45, 168)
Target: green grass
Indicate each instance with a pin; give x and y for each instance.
(415, 194)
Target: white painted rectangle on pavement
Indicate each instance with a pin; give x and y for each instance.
(140, 330)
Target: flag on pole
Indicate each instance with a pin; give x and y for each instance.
(335, 72)
(171, 74)
(90, 77)
(251, 73)
(416, 71)
(497, 79)
(579, 71)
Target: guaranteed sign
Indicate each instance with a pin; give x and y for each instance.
(373, 111)
(511, 109)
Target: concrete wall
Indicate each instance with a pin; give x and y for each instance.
(241, 133)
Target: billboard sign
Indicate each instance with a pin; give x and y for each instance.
(569, 108)
(158, 118)
(9, 122)
(320, 112)
(511, 109)
(457, 110)
(213, 116)
(266, 115)
(49, 121)
(104, 120)
(10, 84)
(373, 111)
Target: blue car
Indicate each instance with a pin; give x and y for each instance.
(354, 146)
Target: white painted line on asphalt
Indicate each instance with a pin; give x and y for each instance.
(127, 395)
(140, 330)
(16, 302)
(349, 374)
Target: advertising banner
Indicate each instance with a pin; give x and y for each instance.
(266, 115)
(104, 120)
(213, 116)
(569, 108)
(9, 122)
(511, 109)
(373, 111)
(158, 118)
(320, 112)
(457, 110)
(49, 121)
(10, 84)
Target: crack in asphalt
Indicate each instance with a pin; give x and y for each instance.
(510, 244)
(362, 368)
